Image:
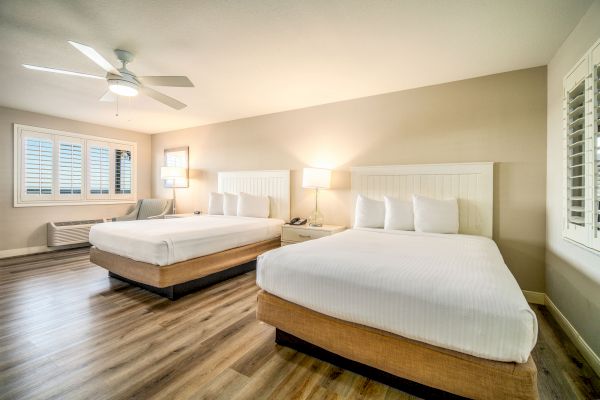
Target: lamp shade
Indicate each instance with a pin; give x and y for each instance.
(316, 178)
(172, 172)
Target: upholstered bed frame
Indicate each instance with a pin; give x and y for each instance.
(179, 279)
(425, 370)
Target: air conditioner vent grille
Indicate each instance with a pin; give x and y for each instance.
(70, 232)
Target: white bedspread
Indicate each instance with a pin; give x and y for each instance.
(167, 241)
(451, 291)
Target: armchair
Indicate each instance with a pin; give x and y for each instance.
(148, 209)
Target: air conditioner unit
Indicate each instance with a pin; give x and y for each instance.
(70, 232)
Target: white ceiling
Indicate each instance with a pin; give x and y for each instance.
(249, 58)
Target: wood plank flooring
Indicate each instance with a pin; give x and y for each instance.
(67, 331)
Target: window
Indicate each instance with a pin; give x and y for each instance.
(582, 151)
(98, 170)
(38, 164)
(54, 167)
(123, 171)
(70, 169)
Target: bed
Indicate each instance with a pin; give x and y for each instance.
(173, 257)
(435, 314)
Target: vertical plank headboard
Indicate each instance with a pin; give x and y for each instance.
(471, 183)
(275, 184)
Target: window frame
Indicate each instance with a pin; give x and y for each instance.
(20, 199)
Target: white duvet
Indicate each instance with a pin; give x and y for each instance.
(451, 291)
(167, 241)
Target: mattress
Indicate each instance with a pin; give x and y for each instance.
(168, 241)
(451, 291)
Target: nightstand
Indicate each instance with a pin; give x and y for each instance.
(170, 216)
(291, 234)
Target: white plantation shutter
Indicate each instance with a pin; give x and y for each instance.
(123, 163)
(595, 147)
(582, 150)
(37, 167)
(99, 174)
(70, 168)
(597, 144)
(575, 103)
(576, 155)
(54, 167)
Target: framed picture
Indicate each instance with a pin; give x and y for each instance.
(177, 157)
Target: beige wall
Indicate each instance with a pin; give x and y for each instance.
(500, 118)
(25, 227)
(572, 273)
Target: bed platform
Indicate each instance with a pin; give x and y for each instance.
(176, 280)
(412, 366)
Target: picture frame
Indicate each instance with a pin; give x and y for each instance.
(177, 157)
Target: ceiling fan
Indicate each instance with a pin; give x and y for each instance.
(123, 82)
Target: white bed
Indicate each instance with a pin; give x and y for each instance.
(168, 241)
(451, 291)
(441, 310)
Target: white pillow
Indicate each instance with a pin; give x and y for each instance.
(436, 216)
(215, 203)
(398, 214)
(253, 206)
(230, 202)
(368, 213)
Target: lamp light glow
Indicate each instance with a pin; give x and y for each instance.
(173, 173)
(316, 178)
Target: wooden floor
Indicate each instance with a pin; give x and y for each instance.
(67, 331)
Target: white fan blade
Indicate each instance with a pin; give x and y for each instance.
(175, 81)
(108, 97)
(163, 98)
(95, 57)
(61, 71)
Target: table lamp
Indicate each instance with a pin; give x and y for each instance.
(173, 173)
(316, 178)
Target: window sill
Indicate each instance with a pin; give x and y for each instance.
(72, 203)
(582, 246)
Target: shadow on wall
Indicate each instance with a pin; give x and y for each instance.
(525, 260)
(576, 295)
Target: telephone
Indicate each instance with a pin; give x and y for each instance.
(298, 221)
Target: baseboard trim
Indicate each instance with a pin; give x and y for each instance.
(535, 297)
(585, 350)
(24, 251)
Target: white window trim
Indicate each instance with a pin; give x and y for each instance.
(85, 199)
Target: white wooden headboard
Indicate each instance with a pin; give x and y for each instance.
(471, 183)
(275, 184)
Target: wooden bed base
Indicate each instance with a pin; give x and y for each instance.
(179, 290)
(178, 279)
(395, 360)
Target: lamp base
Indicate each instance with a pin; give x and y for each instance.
(315, 219)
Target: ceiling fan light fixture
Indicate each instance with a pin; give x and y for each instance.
(123, 89)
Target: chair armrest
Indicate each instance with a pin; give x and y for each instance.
(128, 217)
(166, 211)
